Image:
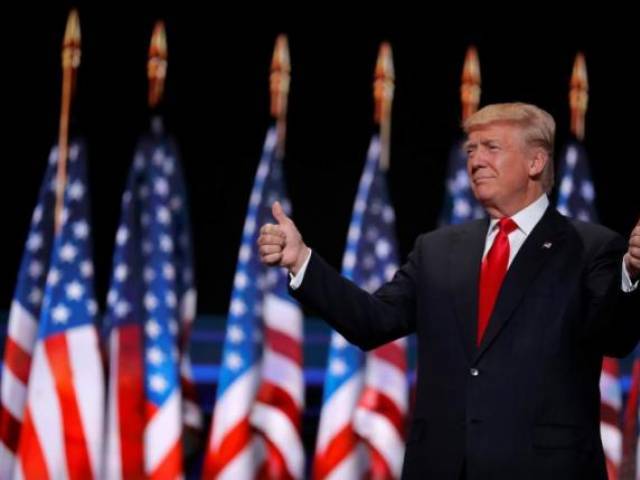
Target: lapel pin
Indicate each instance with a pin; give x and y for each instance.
(547, 245)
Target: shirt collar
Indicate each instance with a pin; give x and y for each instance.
(528, 217)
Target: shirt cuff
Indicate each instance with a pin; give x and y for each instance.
(296, 280)
(627, 285)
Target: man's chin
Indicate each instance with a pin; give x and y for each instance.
(483, 193)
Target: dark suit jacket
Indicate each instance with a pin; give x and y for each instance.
(525, 403)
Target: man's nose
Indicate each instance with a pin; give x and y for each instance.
(476, 161)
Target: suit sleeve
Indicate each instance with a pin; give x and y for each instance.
(364, 319)
(613, 318)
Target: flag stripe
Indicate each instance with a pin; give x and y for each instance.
(393, 354)
(32, 462)
(337, 450)
(17, 360)
(130, 399)
(162, 431)
(377, 402)
(283, 344)
(273, 395)
(232, 444)
(22, 328)
(9, 429)
(79, 466)
(285, 437)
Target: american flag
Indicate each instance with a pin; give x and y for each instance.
(576, 199)
(23, 320)
(365, 400)
(151, 305)
(630, 468)
(256, 423)
(61, 434)
(459, 204)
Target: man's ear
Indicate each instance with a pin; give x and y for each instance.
(538, 160)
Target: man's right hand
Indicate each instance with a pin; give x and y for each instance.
(281, 244)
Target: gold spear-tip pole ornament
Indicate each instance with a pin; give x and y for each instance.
(70, 64)
(157, 64)
(279, 80)
(470, 88)
(383, 87)
(578, 95)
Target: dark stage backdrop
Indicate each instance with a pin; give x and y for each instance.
(217, 108)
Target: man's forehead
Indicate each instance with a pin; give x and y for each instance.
(490, 131)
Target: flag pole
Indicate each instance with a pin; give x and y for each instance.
(279, 80)
(383, 87)
(70, 63)
(470, 87)
(578, 95)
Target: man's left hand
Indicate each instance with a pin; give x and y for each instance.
(632, 257)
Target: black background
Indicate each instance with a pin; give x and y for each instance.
(216, 105)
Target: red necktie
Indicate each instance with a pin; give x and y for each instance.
(494, 268)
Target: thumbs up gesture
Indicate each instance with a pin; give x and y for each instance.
(281, 243)
(632, 257)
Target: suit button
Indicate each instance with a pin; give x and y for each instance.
(474, 372)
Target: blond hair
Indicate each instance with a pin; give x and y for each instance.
(538, 129)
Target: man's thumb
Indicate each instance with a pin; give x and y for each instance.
(278, 213)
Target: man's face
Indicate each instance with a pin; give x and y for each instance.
(498, 161)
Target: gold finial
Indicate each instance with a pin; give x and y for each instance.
(470, 88)
(157, 64)
(579, 96)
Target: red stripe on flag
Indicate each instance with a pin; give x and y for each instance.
(283, 344)
(394, 354)
(9, 429)
(277, 397)
(30, 452)
(131, 400)
(340, 446)
(232, 444)
(379, 468)
(78, 463)
(609, 415)
(376, 401)
(17, 360)
(274, 467)
(171, 465)
(630, 432)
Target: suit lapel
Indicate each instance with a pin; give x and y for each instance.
(542, 242)
(464, 272)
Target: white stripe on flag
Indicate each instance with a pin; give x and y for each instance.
(14, 393)
(191, 414)
(612, 442)
(44, 406)
(610, 390)
(281, 371)
(282, 315)
(23, 328)
(233, 406)
(381, 433)
(246, 463)
(162, 432)
(282, 433)
(386, 378)
(7, 461)
(112, 462)
(354, 465)
(338, 409)
(88, 382)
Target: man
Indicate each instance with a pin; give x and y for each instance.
(512, 314)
